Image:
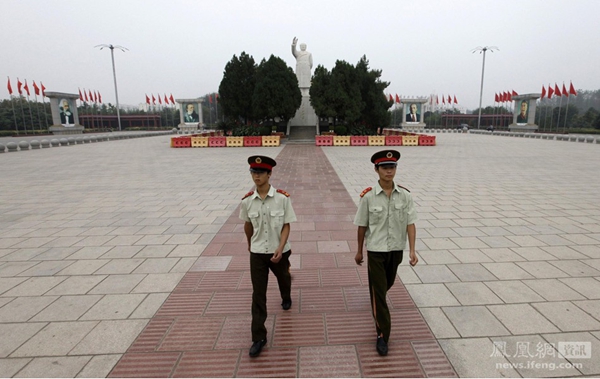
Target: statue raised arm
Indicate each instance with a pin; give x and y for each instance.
(304, 64)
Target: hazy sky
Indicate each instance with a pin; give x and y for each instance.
(182, 46)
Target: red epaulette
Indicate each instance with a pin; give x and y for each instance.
(283, 193)
(248, 194)
(407, 190)
(364, 192)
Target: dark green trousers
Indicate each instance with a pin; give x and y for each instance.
(260, 264)
(382, 274)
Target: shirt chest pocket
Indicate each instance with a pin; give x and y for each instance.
(400, 211)
(277, 218)
(375, 215)
(254, 218)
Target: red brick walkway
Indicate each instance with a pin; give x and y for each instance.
(203, 328)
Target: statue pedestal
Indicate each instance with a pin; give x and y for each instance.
(305, 115)
(525, 128)
(61, 129)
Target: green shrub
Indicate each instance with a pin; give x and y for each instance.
(340, 130)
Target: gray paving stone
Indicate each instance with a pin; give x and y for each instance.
(502, 255)
(438, 257)
(592, 307)
(522, 319)
(431, 295)
(93, 241)
(76, 285)
(588, 287)
(183, 265)
(14, 335)
(118, 284)
(506, 271)
(575, 268)
(435, 274)
(188, 250)
(542, 270)
(567, 317)
(154, 251)
(158, 283)
(113, 307)
(67, 308)
(473, 293)
(513, 291)
(23, 254)
(122, 252)
(120, 266)
(149, 306)
(522, 354)
(99, 366)
(563, 252)
(35, 286)
(533, 254)
(9, 367)
(14, 268)
(439, 323)
(47, 268)
(553, 289)
(219, 263)
(156, 266)
(470, 255)
(406, 274)
(474, 321)
(56, 339)
(110, 337)
(23, 308)
(469, 272)
(89, 252)
(590, 366)
(8, 283)
(589, 251)
(54, 367)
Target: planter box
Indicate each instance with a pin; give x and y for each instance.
(199, 141)
(181, 142)
(270, 141)
(426, 140)
(410, 140)
(217, 141)
(393, 140)
(376, 140)
(359, 140)
(235, 141)
(341, 140)
(324, 140)
(252, 141)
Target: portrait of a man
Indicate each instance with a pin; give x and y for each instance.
(413, 114)
(190, 114)
(522, 116)
(66, 116)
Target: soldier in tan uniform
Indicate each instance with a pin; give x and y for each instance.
(385, 218)
(267, 213)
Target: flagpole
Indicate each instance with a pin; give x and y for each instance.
(37, 107)
(12, 102)
(22, 112)
(566, 113)
(558, 119)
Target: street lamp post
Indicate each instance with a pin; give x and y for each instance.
(112, 56)
(482, 50)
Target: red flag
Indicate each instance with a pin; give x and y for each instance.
(90, 93)
(85, 95)
(80, 97)
(166, 99)
(9, 87)
(449, 100)
(557, 90)
(514, 93)
(147, 99)
(43, 89)
(455, 101)
(159, 100)
(19, 85)
(99, 97)
(210, 98)
(543, 92)
(172, 99)
(495, 97)
(443, 100)
(505, 98)
(565, 90)
(153, 99)
(550, 92)
(509, 96)
(397, 98)
(95, 97)
(26, 88)
(36, 88)
(572, 90)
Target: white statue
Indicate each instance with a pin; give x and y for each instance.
(304, 64)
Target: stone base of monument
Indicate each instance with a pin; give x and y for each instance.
(188, 128)
(305, 115)
(62, 130)
(523, 128)
(416, 126)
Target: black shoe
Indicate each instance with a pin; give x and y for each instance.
(382, 347)
(286, 304)
(257, 347)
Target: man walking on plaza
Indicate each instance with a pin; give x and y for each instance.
(267, 213)
(385, 218)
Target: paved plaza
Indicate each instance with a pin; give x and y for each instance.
(126, 258)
